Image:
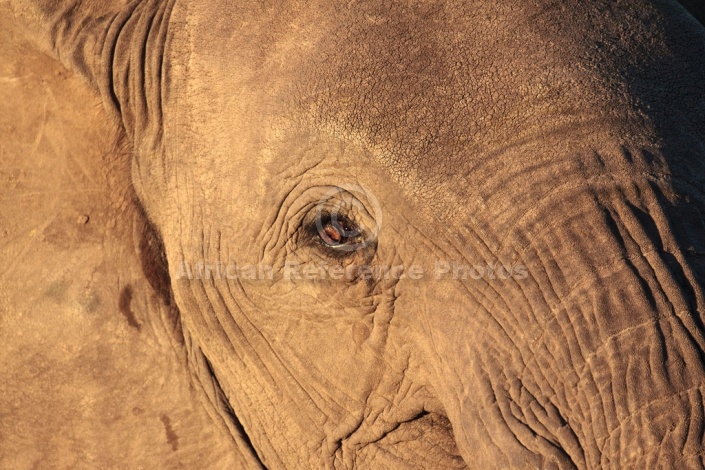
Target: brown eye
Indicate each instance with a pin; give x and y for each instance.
(331, 234)
(336, 230)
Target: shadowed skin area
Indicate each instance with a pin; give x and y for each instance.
(564, 137)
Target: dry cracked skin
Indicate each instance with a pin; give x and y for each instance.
(361, 234)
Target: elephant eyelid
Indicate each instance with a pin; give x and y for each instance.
(333, 232)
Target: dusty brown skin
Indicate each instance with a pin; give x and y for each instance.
(565, 137)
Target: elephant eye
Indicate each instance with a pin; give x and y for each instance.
(335, 230)
(332, 234)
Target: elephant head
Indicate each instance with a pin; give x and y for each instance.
(443, 235)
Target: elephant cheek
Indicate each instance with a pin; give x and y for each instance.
(594, 359)
(496, 421)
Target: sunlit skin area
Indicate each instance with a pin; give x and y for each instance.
(360, 234)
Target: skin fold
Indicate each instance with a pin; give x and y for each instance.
(563, 141)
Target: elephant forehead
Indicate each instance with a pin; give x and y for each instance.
(433, 88)
(409, 76)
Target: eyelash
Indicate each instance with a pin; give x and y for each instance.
(324, 219)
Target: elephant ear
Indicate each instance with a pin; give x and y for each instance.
(88, 373)
(89, 330)
(696, 8)
(118, 47)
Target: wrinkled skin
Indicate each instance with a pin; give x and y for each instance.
(563, 137)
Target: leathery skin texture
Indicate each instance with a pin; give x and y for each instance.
(358, 234)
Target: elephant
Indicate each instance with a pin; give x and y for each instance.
(362, 234)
